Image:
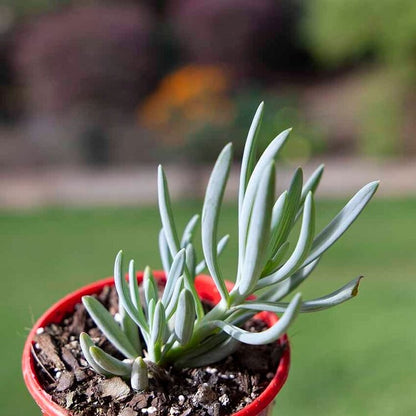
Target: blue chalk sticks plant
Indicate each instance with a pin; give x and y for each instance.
(157, 330)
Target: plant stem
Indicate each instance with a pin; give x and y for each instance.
(203, 330)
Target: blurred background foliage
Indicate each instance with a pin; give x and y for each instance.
(382, 36)
(116, 83)
(339, 32)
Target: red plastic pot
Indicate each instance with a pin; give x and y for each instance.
(206, 290)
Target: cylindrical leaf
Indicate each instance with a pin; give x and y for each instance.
(149, 286)
(189, 231)
(109, 363)
(258, 233)
(173, 301)
(158, 324)
(175, 271)
(249, 155)
(301, 250)
(86, 342)
(139, 378)
(164, 252)
(269, 335)
(210, 215)
(110, 328)
(166, 215)
(124, 297)
(184, 317)
(334, 230)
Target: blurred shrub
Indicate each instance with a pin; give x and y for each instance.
(339, 31)
(98, 55)
(343, 32)
(381, 114)
(196, 111)
(246, 35)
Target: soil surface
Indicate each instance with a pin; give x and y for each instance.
(220, 389)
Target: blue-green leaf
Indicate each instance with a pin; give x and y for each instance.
(301, 250)
(220, 248)
(164, 252)
(210, 214)
(266, 158)
(341, 295)
(278, 214)
(173, 301)
(269, 335)
(166, 215)
(273, 264)
(109, 363)
(109, 327)
(139, 379)
(151, 312)
(149, 286)
(290, 208)
(129, 327)
(334, 230)
(189, 231)
(185, 317)
(175, 271)
(86, 342)
(249, 155)
(158, 326)
(190, 259)
(312, 183)
(134, 291)
(124, 297)
(258, 233)
(282, 289)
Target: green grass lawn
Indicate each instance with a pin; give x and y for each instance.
(358, 359)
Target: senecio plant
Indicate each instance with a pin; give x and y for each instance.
(155, 331)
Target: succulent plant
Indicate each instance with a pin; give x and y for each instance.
(174, 328)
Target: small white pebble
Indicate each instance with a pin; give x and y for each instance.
(73, 344)
(224, 400)
(211, 370)
(40, 331)
(58, 374)
(174, 411)
(181, 399)
(117, 317)
(150, 410)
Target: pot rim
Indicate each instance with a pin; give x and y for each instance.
(206, 290)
